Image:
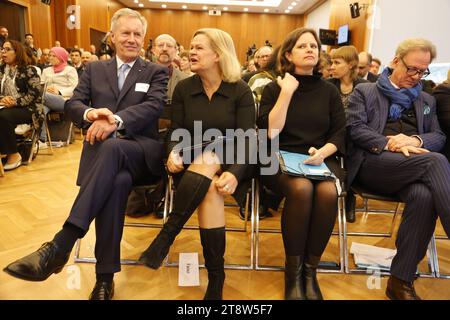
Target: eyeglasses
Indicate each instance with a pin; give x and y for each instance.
(6, 49)
(411, 71)
(265, 56)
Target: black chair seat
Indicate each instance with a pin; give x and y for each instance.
(364, 193)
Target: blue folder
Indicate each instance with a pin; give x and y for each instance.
(292, 164)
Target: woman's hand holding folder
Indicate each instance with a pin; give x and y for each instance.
(316, 157)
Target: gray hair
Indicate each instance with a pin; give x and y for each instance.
(126, 12)
(409, 45)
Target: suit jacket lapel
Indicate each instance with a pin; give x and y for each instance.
(111, 74)
(131, 79)
(418, 107)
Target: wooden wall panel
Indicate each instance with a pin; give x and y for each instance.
(49, 24)
(340, 15)
(38, 17)
(97, 15)
(245, 28)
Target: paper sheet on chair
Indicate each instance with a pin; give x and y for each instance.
(188, 273)
(367, 256)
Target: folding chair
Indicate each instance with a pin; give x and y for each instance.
(252, 199)
(438, 272)
(366, 196)
(79, 259)
(324, 266)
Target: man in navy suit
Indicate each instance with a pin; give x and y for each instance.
(120, 101)
(395, 140)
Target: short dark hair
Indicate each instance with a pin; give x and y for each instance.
(75, 50)
(377, 61)
(288, 45)
(29, 34)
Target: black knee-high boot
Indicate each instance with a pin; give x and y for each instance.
(190, 193)
(213, 242)
(293, 284)
(309, 274)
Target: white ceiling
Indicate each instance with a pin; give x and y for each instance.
(252, 6)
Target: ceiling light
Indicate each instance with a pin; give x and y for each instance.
(136, 1)
(287, 11)
(293, 4)
(245, 9)
(290, 7)
(205, 8)
(225, 8)
(164, 6)
(184, 6)
(266, 10)
(141, 5)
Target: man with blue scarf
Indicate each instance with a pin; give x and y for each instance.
(393, 150)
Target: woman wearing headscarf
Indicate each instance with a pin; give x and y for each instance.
(59, 80)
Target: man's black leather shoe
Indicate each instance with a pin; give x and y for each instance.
(39, 265)
(102, 291)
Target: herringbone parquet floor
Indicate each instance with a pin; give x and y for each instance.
(35, 200)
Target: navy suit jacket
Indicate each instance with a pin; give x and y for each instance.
(367, 117)
(98, 88)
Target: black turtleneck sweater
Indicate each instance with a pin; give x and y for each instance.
(315, 115)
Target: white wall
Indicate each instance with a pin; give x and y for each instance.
(319, 18)
(401, 19)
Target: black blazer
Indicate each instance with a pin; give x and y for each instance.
(372, 77)
(337, 82)
(139, 110)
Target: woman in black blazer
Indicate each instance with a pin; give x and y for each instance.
(19, 95)
(217, 99)
(305, 113)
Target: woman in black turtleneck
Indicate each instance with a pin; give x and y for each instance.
(310, 118)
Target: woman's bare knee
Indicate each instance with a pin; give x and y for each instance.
(207, 164)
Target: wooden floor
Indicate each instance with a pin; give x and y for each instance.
(35, 201)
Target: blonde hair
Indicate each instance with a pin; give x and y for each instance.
(409, 45)
(222, 44)
(126, 12)
(350, 55)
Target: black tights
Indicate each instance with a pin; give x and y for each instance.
(309, 213)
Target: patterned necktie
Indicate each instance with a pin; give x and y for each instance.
(123, 68)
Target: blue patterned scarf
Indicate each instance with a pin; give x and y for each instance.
(401, 99)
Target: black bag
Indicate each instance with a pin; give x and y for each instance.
(144, 200)
(60, 128)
